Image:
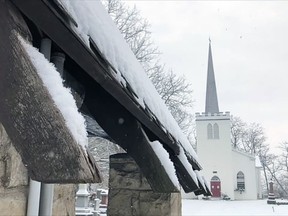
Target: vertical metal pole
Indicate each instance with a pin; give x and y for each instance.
(45, 48)
(47, 190)
(46, 199)
(33, 198)
(58, 59)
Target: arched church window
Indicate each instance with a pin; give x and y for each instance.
(215, 179)
(209, 131)
(216, 131)
(240, 181)
(213, 131)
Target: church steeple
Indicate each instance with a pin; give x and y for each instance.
(211, 105)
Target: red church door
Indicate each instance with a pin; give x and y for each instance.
(215, 186)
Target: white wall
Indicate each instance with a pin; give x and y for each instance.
(245, 163)
(216, 154)
(258, 182)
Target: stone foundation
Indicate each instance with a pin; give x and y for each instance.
(64, 199)
(14, 184)
(13, 178)
(130, 193)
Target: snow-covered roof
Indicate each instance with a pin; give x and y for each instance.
(165, 161)
(243, 153)
(93, 31)
(93, 22)
(257, 162)
(252, 157)
(61, 95)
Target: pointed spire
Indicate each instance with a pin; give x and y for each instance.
(211, 105)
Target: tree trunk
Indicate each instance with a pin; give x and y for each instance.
(265, 176)
(273, 175)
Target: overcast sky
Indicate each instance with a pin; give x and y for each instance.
(250, 54)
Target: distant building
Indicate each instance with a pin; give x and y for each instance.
(230, 172)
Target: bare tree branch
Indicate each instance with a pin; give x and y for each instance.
(174, 90)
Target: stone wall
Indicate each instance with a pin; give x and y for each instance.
(14, 184)
(130, 193)
(13, 178)
(64, 199)
(101, 149)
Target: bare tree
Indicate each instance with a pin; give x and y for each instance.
(237, 131)
(250, 138)
(176, 94)
(275, 170)
(135, 30)
(265, 159)
(283, 164)
(283, 159)
(254, 138)
(277, 167)
(174, 90)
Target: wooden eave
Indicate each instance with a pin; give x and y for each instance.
(57, 25)
(52, 23)
(28, 113)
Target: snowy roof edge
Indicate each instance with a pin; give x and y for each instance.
(94, 22)
(187, 155)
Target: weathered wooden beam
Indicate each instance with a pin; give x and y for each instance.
(127, 132)
(54, 24)
(59, 30)
(187, 182)
(29, 115)
(201, 189)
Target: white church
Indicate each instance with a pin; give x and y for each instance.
(228, 171)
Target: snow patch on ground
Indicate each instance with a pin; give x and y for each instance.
(61, 95)
(222, 207)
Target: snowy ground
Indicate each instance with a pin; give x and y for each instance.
(222, 207)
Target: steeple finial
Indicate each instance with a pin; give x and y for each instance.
(211, 105)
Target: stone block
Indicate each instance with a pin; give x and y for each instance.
(13, 202)
(175, 204)
(126, 199)
(13, 178)
(64, 199)
(12, 171)
(125, 173)
(156, 204)
(123, 202)
(18, 175)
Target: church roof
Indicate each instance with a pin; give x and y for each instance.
(211, 105)
(258, 162)
(246, 154)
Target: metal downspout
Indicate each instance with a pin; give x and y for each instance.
(36, 192)
(33, 198)
(47, 190)
(40, 200)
